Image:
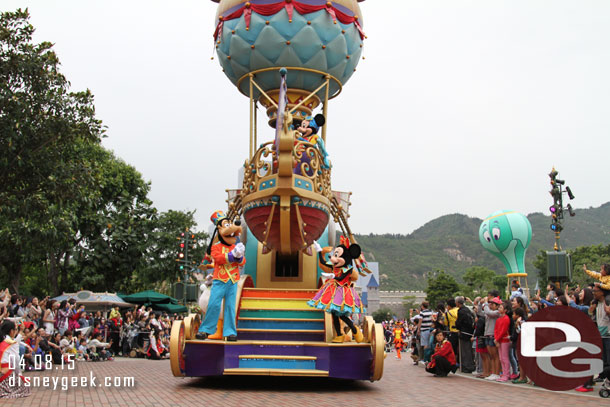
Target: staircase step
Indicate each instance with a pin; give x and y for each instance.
(269, 323)
(290, 357)
(281, 313)
(319, 331)
(285, 304)
(277, 362)
(284, 293)
(275, 372)
(280, 335)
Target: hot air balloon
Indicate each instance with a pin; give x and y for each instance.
(507, 235)
(319, 43)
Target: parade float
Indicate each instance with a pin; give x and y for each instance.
(290, 57)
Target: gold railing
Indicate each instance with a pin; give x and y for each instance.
(306, 157)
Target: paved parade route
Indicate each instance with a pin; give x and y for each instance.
(402, 385)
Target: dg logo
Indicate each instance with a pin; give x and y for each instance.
(560, 348)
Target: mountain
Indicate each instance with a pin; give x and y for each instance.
(451, 243)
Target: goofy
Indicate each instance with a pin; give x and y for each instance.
(228, 256)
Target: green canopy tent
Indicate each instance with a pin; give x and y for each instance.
(149, 296)
(172, 308)
(158, 301)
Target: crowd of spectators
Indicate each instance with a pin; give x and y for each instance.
(480, 336)
(57, 331)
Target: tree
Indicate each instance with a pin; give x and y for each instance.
(479, 279)
(592, 256)
(500, 283)
(409, 304)
(441, 287)
(44, 129)
(164, 247)
(382, 314)
(118, 235)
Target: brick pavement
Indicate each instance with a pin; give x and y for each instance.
(403, 384)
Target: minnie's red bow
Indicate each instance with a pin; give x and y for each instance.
(344, 241)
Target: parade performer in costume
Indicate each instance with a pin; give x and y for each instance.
(337, 296)
(308, 129)
(12, 383)
(398, 339)
(228, 255)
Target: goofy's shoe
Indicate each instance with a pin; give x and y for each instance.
(232, 338)
(218, 333)
(339, 339)
(201, 335)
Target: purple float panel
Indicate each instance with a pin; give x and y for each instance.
(344, 362)
(350, 362)
(281, 336)
(206, 359)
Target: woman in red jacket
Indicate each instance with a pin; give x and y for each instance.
(502, 340)
(443, 360)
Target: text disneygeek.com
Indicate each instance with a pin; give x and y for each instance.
(65, 383)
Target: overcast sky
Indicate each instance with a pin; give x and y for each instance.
(459, 106)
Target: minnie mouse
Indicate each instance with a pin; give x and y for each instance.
(337, 296)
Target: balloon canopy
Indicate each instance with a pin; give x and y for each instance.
(507, 235)
(311, 38)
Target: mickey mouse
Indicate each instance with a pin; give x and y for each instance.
(308, 128)
(337, 296)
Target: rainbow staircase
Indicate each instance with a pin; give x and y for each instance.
(279, 315)
(278, 334)
(279, 322)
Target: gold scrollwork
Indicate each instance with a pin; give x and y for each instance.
(306, 157)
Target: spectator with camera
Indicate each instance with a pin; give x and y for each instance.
(490, 309)
(465, 327)
(100, 349)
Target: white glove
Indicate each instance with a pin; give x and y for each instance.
(238, 251)
(235, 253)
(317, 246)
(327, 275)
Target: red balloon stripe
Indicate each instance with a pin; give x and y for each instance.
(289, 5)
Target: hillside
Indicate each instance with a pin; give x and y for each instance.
(451, 243)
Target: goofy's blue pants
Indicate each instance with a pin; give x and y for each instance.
(221, 290)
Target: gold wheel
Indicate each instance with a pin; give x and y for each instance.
(176, 349)
(377, 345)
(367, 328)
(188, 327)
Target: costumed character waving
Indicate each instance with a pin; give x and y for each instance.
(308, 129)
(338, 296)
(228, 255)
(399, 342)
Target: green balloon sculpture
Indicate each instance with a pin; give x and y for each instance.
(507, 234)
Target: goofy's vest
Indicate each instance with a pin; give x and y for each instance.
(224, 270)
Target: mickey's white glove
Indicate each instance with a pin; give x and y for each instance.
(317, 246)
(327, 275)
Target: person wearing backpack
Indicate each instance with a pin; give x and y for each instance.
(465, 326)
